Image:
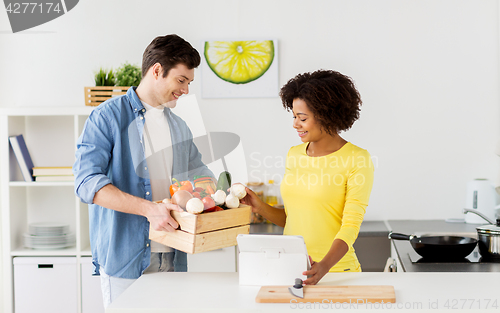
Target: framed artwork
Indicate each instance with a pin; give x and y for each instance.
(240, 69)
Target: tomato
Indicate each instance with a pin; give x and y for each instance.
(196, 194)
(214, 209)
(208, 202)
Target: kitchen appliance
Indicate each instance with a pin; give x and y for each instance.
(361, 294)
(488, 235)
(473, 257)
(266, 260)
(439, 247)
(481, 196)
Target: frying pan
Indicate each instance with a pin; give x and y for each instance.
(439, 247)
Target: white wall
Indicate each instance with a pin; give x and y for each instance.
(427, 72)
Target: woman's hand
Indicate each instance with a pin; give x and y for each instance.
(317, 271)
(272, 214)
(252, 200)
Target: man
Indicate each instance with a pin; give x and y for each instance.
(130, 148)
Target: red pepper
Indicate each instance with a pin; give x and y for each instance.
(183, 185)
(214, 209)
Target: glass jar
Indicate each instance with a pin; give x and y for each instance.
(272, 194)
(259, 189)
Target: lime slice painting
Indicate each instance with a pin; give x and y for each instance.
(239, 62)
(239, 68)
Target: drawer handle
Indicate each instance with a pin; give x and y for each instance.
(45, 265)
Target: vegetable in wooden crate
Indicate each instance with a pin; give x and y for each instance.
(177, 185)
(224, 182)
(205, 182)
(232, 201)
(181, 198)
(238, 190)
(219, 197)
(194, 206)
(208, 203)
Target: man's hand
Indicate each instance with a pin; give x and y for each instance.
(159, 216)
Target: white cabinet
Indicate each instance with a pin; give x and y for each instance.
(45, 285)
(92, 301)
(50, 135)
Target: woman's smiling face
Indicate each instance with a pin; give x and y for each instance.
(308, 129)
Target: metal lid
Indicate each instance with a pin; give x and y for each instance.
(488, 229)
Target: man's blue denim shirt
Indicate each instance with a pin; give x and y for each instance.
(110, 151)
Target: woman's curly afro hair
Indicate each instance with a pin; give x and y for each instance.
(331, 96)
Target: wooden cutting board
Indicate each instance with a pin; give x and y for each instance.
(356, 294)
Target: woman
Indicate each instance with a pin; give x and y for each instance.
(328, 180)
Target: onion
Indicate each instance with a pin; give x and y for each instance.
(181, 197)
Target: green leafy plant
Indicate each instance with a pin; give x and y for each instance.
(103, 78)
(128, 75)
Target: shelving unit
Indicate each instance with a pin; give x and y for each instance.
(50, 134)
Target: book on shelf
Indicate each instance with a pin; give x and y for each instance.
(22, 155)
(55, 178)
(53, 171)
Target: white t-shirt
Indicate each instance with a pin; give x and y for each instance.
(159, 157)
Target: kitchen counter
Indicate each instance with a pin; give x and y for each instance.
(220, 292)
(405, 250)
(373, 229)
(266, 228)
(367, 229)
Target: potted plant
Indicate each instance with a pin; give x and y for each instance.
(111, 83)
(128, 75)
(104, 78)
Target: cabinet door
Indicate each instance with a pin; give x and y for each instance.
(45, 285)
(372, 252)
(220, 260)
(91, 289)
(395, 256)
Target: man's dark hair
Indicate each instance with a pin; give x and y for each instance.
(169, 51)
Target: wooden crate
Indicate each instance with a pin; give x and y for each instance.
(97, 95)
(206, 231)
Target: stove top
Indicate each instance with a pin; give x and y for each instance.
(473, 257)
